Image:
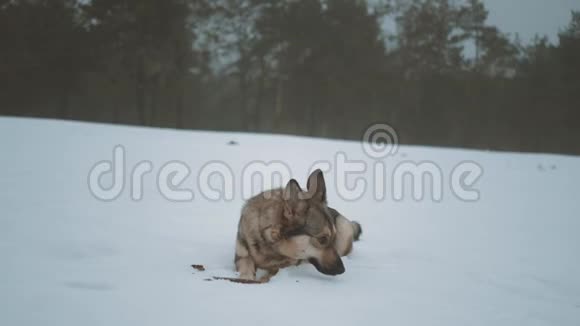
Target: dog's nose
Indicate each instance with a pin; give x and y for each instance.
(339, 268)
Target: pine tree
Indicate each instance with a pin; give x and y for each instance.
(147, 41)
(429, 41)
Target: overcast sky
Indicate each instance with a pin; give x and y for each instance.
(525, 17)
(530, 17)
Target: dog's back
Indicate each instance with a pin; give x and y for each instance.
(254, 240)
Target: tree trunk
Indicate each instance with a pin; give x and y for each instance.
(260, 94)
(279, 104)
(477, 48)
(140, 91)
(155, 91)
(312, 102)
(243, 68)
(64, 103)
(179, 112)
(246, 116)
(116, 112)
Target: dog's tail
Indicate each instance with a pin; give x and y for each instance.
(357, 228)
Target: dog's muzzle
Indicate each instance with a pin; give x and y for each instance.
(336, 269)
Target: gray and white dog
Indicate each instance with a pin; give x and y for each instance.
(283, 227)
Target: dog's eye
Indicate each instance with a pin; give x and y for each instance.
(323, 240)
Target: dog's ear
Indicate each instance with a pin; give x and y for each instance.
(316, 186)
(291, 198)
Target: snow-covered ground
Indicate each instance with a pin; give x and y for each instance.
(67, 258)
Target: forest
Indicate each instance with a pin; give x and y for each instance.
(323, 68)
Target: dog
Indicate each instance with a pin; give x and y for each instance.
(287, 226)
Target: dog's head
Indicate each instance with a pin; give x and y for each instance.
(310, 229)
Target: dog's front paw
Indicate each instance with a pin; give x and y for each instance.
(247, 276)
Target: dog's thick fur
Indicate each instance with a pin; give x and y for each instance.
(284, 227)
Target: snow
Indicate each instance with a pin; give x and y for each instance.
(510, 258)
